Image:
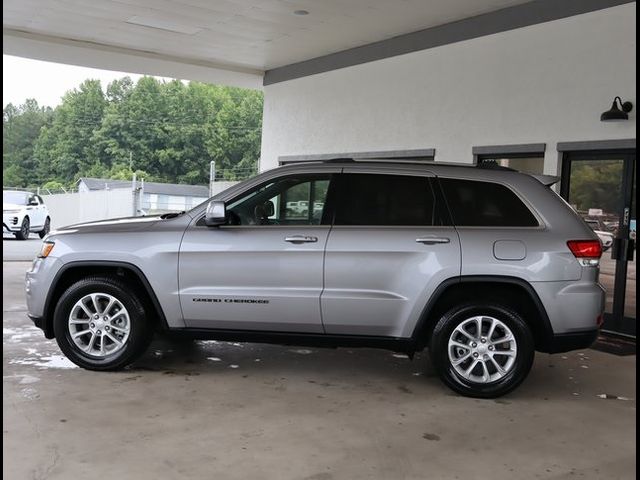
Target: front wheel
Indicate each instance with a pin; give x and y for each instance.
(100, 324)
(23, 233)
(482, 350)
(47, 227)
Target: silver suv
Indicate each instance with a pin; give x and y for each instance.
(482, 266)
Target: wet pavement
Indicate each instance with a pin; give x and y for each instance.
(237, 411)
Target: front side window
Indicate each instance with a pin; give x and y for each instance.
(394, 200)
(295, 200)
(485, 204)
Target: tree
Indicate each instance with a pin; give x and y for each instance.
(234, 137)
(596, 184)
(21, 126)
(170, 131)
(65, 148)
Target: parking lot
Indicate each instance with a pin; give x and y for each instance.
(236, 411)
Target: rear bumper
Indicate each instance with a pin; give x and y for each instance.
(566, 342)
(572, 306)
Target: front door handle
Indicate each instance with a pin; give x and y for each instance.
(432, 240)
(300, 239)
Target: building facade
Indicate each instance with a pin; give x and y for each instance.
(530, 98)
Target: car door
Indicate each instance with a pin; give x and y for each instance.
(36, 211)
(264, 269)
(390, 247)
(43, 211)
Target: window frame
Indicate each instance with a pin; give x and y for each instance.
(327, 213)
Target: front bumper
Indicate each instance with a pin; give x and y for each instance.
(38, 281)
(11, 222)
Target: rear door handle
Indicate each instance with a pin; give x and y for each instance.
(300, 239)
(432, 240)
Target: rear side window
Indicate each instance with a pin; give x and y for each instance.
(378, 199)
(485, 204)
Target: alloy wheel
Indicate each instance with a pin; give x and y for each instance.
(99, 324)
(482, 349)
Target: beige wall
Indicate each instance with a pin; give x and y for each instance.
(544, 83)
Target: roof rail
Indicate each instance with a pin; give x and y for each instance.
(337, 160)
(378, 160)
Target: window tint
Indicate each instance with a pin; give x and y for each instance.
(484, 204)
(373, 199)
(285, 201)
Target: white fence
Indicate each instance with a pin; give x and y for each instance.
(70, 208)
(220, 186)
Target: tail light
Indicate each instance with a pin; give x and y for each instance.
(588, 252)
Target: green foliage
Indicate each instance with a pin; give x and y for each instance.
(164, 131)
(52, 185)
(596, 184)
(21, 127)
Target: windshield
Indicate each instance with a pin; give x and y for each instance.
(19, 198)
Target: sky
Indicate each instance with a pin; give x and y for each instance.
(47, 82)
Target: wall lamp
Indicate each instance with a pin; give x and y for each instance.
(617, 113)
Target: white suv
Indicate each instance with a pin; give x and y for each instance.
(24, 212)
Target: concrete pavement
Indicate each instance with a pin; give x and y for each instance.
(241, 411)
(20, 250)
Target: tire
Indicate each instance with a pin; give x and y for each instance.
(47, 227)
(23, 233)
(484, 380)
(104, 353)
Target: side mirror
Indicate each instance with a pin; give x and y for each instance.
(216, 214)
(33, 203)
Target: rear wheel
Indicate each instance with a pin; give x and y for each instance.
(482, 351)
(47, 227)
(100, 324)
(23, 233)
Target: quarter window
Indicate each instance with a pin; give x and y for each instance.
(375, 199)
(485, 204)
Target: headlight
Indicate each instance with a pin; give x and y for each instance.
(11, 212)
(46, 249)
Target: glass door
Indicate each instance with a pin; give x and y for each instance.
(601, 188)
